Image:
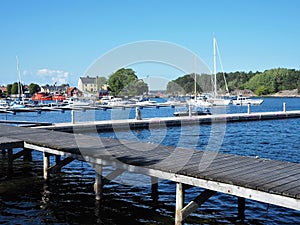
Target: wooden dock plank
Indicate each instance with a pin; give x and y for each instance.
(213, 168)
(281, 185)
(9, 143)
(249, 180)
(270, 176)
(240, 174)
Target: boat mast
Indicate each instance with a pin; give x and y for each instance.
(215, 67)
(19, 75)
(195, 77)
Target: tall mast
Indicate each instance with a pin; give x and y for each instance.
(195, 76)
(19, 75)
(215, 67)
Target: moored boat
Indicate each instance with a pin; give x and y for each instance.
(41, 96)
(197, 112)
(242, 100)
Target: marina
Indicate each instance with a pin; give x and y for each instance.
(129, 112)
(263, 180)
(239, 172)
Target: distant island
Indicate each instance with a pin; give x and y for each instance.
(273, 82)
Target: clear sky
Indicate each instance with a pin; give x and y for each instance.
(57, 40)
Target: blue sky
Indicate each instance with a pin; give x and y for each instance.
(58, 40)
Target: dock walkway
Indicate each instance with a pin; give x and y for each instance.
(268, 181)
(108, 125)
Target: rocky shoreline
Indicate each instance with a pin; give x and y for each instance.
(287, 93)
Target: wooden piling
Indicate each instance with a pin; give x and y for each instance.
(98, 182)
(27, 155)
(154, 188)
(46, 157)
(179, 203)
(241, 208)
(10, 159)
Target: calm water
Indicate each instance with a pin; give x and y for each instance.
(69, 197)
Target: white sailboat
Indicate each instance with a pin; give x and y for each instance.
(218, 100)
(196, 100)
(18, 104)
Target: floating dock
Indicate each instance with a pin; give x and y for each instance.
(268, 181)
(109, 125)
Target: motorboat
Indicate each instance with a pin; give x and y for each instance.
(74, 102)
(4, 105)
(243, 100)
(115, 102)
(41, 96)
(218, 101)
(198, 112)
(145, 102)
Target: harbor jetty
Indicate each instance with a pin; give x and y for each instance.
(142, 123)
(268, 181)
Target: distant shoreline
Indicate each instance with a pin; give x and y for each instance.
(287, 94)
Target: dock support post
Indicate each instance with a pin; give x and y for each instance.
(249, 111)
(190, 111)
(154, 188)
(98, 182)
(46, 165)
(10, 159)
(284, 107)
(196, 203)
(241, 208)
(27, 155)
(57, 159)
(179, 203)
(138, 114)
(73, 116)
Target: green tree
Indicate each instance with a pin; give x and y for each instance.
(274, 80)
(15, 88)
(8, 88)
(137, 87)
(34, 88)
(262, 90)
(186, 84)
(120, 80)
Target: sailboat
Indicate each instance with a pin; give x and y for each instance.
(199, 101)
(18, 104)
(216, 99)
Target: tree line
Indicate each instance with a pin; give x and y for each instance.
(261, 83)
(17, 87)
(123, 82)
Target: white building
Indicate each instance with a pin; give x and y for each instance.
(87, 84)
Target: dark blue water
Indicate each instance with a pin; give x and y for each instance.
(69, 199)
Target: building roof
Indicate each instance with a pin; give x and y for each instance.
(87, 80)
(55, 88)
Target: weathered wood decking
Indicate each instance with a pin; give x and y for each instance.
(263, 180)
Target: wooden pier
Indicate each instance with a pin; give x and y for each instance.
(268, 181)
(108, 125)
